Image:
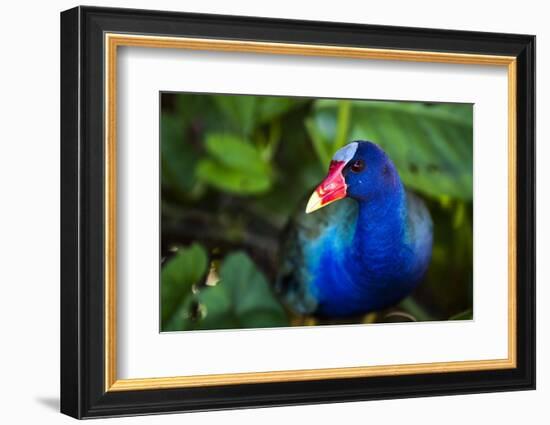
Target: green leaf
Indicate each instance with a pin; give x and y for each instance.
(247, 285)
(465, 315)
(415, 309)
(231, 180)
(179, 274)
(431, 144)
(215, 304)
(236, 167)
(344, 111)
(246, 113)
(271, 107)
(236, 153)
(178, 159)
(239, 109)
(241, 299)
(319, 142)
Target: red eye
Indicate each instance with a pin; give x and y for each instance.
(357, 166)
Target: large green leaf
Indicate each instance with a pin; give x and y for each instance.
(241, 299)
(236, 153)
(179, 274)
(430, 144)
(231, 180)
(234, 165)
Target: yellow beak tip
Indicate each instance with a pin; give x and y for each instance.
(314, 203)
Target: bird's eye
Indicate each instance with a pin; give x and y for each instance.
(357, 166)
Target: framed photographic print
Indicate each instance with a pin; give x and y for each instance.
(262, 212)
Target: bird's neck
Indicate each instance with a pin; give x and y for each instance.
(380, 228)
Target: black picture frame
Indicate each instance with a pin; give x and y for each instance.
(83, 392)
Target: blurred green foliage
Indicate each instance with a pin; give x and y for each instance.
(234, 168)
(236, 295)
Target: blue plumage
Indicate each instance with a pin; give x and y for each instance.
(362, 253)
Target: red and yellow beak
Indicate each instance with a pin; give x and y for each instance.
(331, 189)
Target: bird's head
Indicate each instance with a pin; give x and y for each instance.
(360, 170)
